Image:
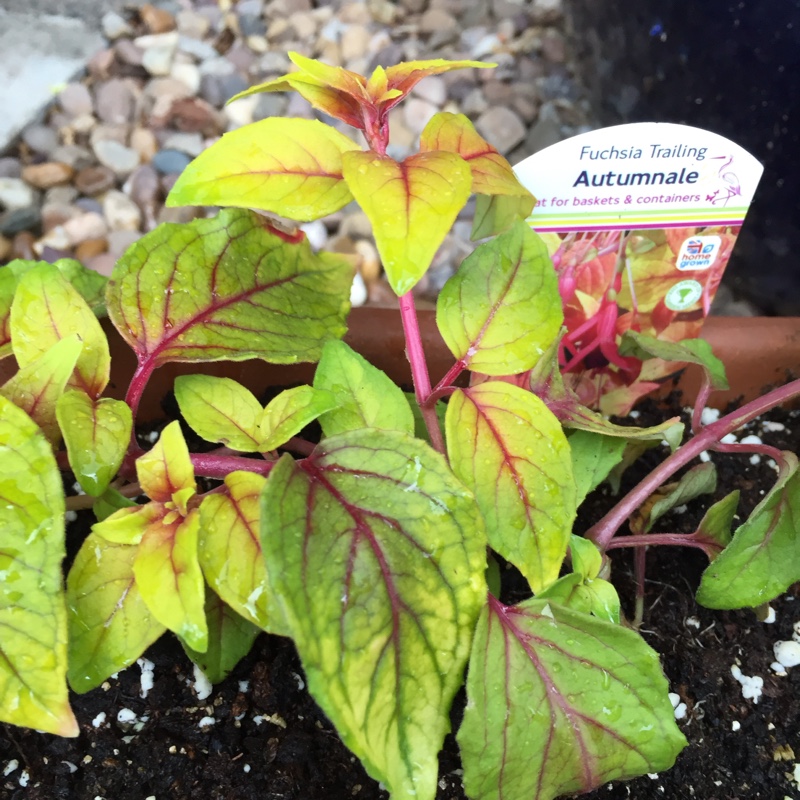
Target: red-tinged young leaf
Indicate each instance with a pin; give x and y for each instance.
(377, 556)
(220, 410)
(166, 469)
(491, 173)
(288, 413)
(406, 75)
(497, 213)
(36, 387)
(229, 640)
(291, 167)
(169, 578)
(128, 523)
(110, 625)
(33, 613)
(227, 288)
(501, 310)
(97, 434)
(559, 702)
(411, 204)
(338, 78)
(47, 309)
(229, 547)
(763, 558)
(365, 396)
(509, 449)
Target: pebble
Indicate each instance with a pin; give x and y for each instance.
(117, 157)
(90, 248)
(75, 99)
(502, 127)
(115, 101)
(51, 173)
(40, 139)
(15, 193)
(157, 20)
(85, 227)
(95, 180)
(121, 212)
(10, 167)
(190, 143)
(114, 26)
(171, 162)
(17, 220)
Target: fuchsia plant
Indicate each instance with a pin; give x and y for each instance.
(369, 548)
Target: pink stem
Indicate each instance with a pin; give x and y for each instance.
(603, 531)
(700, 403)
(138, 383)
(213, 466)
(452, 374)
(419, 369)
(648, 539)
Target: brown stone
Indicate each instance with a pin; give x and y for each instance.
(157, 20)
(6, 247)
(193, 115)
(44, 176)
(22, 246)
(102, 263)
(90, 248)
(92, 181)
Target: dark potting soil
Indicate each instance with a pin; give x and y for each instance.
(260, 736)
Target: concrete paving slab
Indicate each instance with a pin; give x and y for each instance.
(38, 54)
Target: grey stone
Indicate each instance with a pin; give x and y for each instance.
(40, 138)
(270, 104)
(501, 127)
(20, 219)
(218, 89)
(117, 157)
(115, 26)
(15, 193)
(75, 99)
(115, 101)
(170, 162)
(190, 143)
(10, 167)
(251, 24)
(546, 131)
(73, 154)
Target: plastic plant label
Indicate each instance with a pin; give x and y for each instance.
(640, 221)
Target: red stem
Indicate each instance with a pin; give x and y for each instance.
(213, 466)
(648, 539)
(603, 531)
(419, 369)
(138, 383)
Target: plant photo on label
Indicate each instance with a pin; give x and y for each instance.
(383, 545)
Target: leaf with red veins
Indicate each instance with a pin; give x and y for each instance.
(227, 288)
(377, 554)
(406, 75)
(339, 78)
(560, 702)
(167, 469)
(491, 173)
(411, 204)
(509, 449)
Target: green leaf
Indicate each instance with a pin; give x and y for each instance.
(582, 418)
(229, 640)
(91, 285)
(229, 548)
(47, 309)
(764, 557)
(110, 501)
(365, 396)
(220, 410)
(227, 288)
(588, 595)
(110, 625)
(411, 204)
(700, 479)
(291, 167)
(594, 455)
(501, 309)
(559, 703)
(97, 434)
(33, 614)
(715, 527)
(690, 351)
(36, 387)
(377, 555)
(288, 413)
(587, 560)
(497, 213)
(509, 449)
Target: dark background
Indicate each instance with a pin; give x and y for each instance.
(730, 66)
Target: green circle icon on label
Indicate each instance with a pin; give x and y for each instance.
(683, 295)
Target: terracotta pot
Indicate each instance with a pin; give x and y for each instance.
(759, 353)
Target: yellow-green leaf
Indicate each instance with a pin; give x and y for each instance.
(168, 575)
(167, 468)
(288, 413)
(411, 204)
(110, 625)
(227, 288)
(509, 449)
(47, 309)
(491, 173)
(33, 614)
(229, 547)
(496, 213)
(97, 434)
(501, 310)
(220, 410)
(38, 385)
(291, 167)
(406, 75)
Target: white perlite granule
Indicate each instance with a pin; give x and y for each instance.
(751, 685)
